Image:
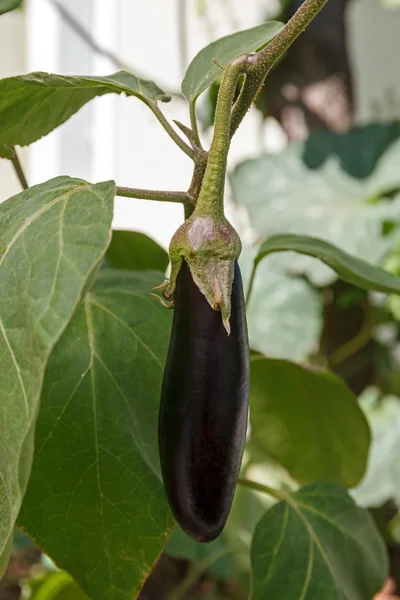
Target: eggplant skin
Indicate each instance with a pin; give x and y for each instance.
(204, 408)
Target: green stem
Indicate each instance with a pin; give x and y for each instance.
(211, 197)
(188, 208)
(19, 170)
(194, 125)
(260, 64)
(171, 131)
(162, 196)
(251, 283)
(260, 487)
(361, 339)
(200, 165)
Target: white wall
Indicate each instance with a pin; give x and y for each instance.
(146, 157)
(374, 40)
(126, 141)
(12, 62)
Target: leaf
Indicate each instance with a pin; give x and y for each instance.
(332, 186)
(6, 152)
(309, 421)
(382, 479)
(9, 5)
(33, 105)
(53, 237)
(350, 268)
(284, 314)
(136, 251)
(96, 468)
(202, 71)
(317, 543)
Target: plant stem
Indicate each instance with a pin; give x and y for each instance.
(251, 283)
(358, 342)
(193, 123)
(171, 131)
(19, 170)
(211, 197)
(188, 208)
(260, 487)
(198, 175)
(160, 195)
(261, 63)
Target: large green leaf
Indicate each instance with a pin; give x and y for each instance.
(331, 186)
(52, 238)
(382, 479)
(95, 502)
(9, 5)
(348, 267)
(316, 544)
(33, 105)
(309, 421)
(136, 251)
(284, 314)
(202, 71)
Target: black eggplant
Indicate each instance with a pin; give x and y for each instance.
(204, 408)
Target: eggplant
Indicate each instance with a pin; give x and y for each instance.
(204, 408)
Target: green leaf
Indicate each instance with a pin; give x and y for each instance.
(202, 71)
(9, 5)
(6, 152)
(332, 186)
(309, 421)
(52, 239)
(136, 252)
(96, 468)
(33, 105)
(382, 479)
(55, 586)
(284, 314)
(317, 543)
(349, 268)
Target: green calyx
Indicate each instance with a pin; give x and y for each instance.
(210, 247)
(206, 240)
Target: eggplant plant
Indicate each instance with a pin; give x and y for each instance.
(91, 362)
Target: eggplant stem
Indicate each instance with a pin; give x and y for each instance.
(261, 487)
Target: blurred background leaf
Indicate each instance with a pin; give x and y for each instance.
(9, 5)
(55, 586)
(284, 312)
(332, 185)
(382, 479)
